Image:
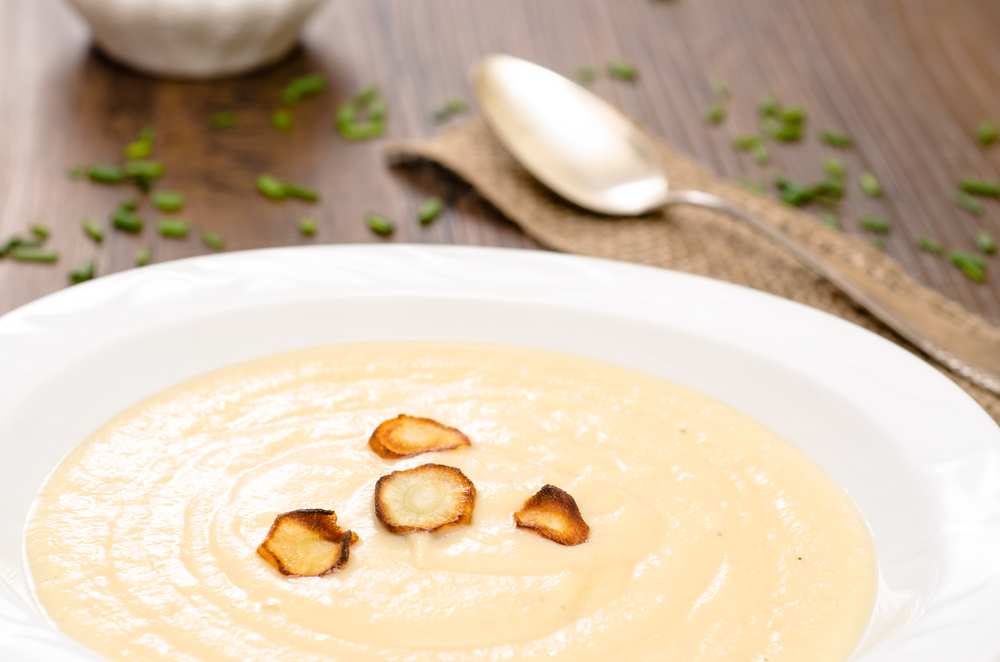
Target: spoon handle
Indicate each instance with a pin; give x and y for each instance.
(975, 358)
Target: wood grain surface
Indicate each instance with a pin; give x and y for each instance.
(909, 79)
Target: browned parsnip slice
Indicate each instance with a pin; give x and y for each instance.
(405, 436)
(307, 543)
(553, 513)
(431, 497)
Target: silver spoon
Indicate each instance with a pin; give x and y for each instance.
(590, 154)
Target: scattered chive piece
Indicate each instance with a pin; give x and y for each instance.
(968, 203)
(834, 167)
(987, 133)
(173, 227)
(281, 120)
(33, 254)
(971, 264)
(875, 224)
(300, 192)
(985, 242)
(362, 130)
(225, 119)
(622, 69)
(452, 106)
(761, 154)
(787, 133)
(213, 240)
(983, 187)
(127, 221)
(142, 257)
(93, 230)
(40, 231)
(929, 245)
(168, 201)
(877, 244)
(836, 138)
(149, 169)
(349, 119)
(870, 184)
(379, 224)
(430, 209)
(720, 88)
(586, 75)
(142, 146)
(84, 271)
(747, 142)
(75, 172)
(271, 187)
(105, 173)
(794, 115)
(830, 220)
(769, 106)
(715, 113)
(303, 86)
(752, 185)
(308, 226)
(130, 204)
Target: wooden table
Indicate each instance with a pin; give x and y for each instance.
(909, 79)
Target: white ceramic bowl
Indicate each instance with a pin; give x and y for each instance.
(918, 456)
(196, 38)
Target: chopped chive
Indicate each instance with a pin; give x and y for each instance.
(929, 245)
(747, 142)
(362, 130)
(761, 154)
(834, 166)
(830, 220)
(715, 113)
(430, 209)
(769, 106)
(142, 146)
(303, 86)
(622, 69)
(985, 242)
(752, 185)
(213, 240)
(308, 226)
(379, 224)
(173, 227)
(586, 74)
(971, 264)
(720, 88)
(870, 184)
(794, 115)
(272, 187)
(33, 254)
(140, 168)
(106, 173)
(836, 138)
(787, 133)
(987, 133)
(130, 204)
(968, 203)
(142, 257)
(361, 118)
(301, 192)
(452, 106)
(281, 120)
(84, 271)
(983, 187)
(168, 201)
(127, 221)
(93, 230)
(40, 231)
(225, 119)
(877, 244)
(875, 224)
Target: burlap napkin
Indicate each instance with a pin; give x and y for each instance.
(691, 239)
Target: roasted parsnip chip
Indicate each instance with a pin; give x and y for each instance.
(553, 513)
(307, 543)
(405, 436)
(431, 497)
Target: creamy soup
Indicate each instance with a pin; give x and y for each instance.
(710, 537)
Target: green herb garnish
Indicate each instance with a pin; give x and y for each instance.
(213, 240)
(834, 167)
(794, 115)
(106, 173)
(142, 147)
(452, 106)
(968, 203)
(24, 253)
(276, 189)
(142, 257)
(769, 106)
(982, 187)
(143, 172)
(302, 87)
(836, 138)
(929, 245)
(747, 142)
(870, 184)
(971, 264)
(225, 119)
(308, 226)
(131, 204)
(987, 133)
(281, 120)
(168, 201)
(430, 209)
(93, 230)
(40, 231)
(362, 117)
(84, 271)
(173, 227)
(127, 221)
(622, 69)
(715, 113)
(379, 224)
(985, 242)
(875, 224)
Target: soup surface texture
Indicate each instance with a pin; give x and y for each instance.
(710, 537)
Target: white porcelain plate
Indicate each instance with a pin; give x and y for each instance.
(919, 457)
